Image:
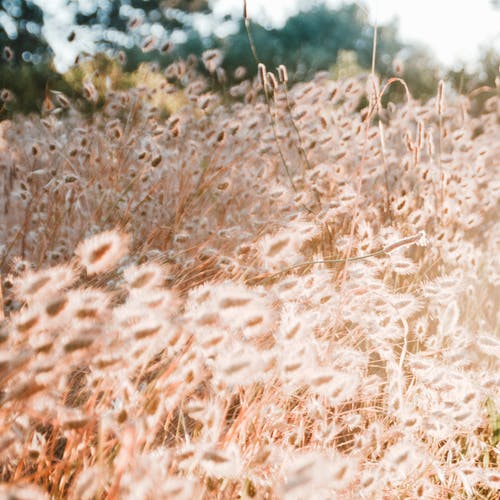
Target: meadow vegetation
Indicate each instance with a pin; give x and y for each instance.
(271, 293)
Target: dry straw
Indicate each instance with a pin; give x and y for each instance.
(2, 306)
(165, 349)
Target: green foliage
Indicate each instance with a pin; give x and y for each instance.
(106, 74)
(420, 71)
(339, 40)
(310, 41)
(102, 70)
(483, 81)
(346, 66)
(124, 16)
(117, 13)
(485, 74)
(29, 83)
(21, 37)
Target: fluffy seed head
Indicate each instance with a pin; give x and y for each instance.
(102, 252)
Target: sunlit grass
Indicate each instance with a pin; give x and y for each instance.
(186, 318)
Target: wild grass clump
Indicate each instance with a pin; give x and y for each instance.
(273, 293)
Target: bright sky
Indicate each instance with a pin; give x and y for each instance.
(454, 29)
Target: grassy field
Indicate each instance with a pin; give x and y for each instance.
(271, 293)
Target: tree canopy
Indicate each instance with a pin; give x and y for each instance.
(310, 41)
(21, 38)
(145, 30)
(21, 23)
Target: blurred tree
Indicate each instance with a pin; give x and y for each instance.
(21, 36)
(321, 38)
(114, 13)
(115, 24)
(346, 65)
(480, 82)
(419, 69)
(137, 17)
(311, 41)
(113, 21)
(25, 58)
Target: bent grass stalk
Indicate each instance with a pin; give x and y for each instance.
(386, 250)
(263, 78)
(284, 83)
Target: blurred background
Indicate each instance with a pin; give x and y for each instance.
(55, 45)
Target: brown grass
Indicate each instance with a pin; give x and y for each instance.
(144, 355)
